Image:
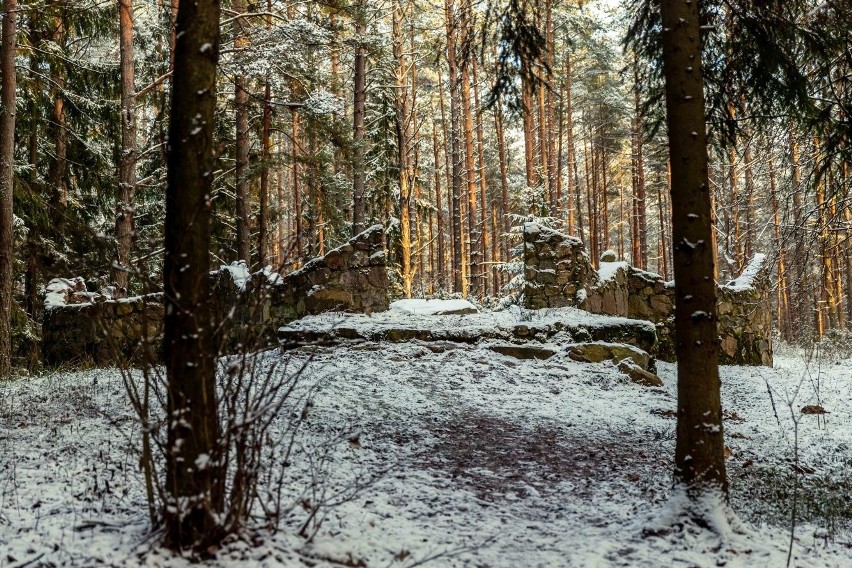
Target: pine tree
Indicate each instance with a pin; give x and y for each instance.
(194, 487)
(699, 449)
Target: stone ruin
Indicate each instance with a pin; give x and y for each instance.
(86, 327)
(558, 273)
(82, 327)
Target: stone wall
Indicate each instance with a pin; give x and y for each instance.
(105, 332)
(557, 270)
(618, 289)
(88, 327)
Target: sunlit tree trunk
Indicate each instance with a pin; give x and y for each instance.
(127, 166)
(404, 135)
(474, 240)
(483, 186)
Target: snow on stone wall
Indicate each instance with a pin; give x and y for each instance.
(92, 328)
(558, 273)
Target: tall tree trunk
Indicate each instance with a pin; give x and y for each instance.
(662, 262)
(734, 234)
(799, 285)
(505, 206)
(263, 244)
(56, 174)
(8, 46)
(404, 129)
(549, 118)
(529, 135)
(699, 447)
(241, 104)
(359, 102)
(263, 217)
(439, 273)
(604, 164)
(483, 188)
(641, 210)
(459, 284)
(475, 246)
(297, 198)
(571, 154)
(127, 167)
(782, 298)
(748, 245)
(194, 484)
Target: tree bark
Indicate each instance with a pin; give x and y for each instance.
(359, 174)
(483, 187)
(127, 167)
(699, 447)
(459, 284)
(505, 205)
(194, 484)
(474, 240)
(403, 138)
(8, 85)
(439, 273)
(241, 173)
(56, 174)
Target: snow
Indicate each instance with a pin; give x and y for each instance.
(532, 228)
(608, 270)
(239, 273)
(745, 281)
(56, 291)
(483, 323)
(479, 458)
(431, 307)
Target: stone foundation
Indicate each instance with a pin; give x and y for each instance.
(81, 327)
(558, 273)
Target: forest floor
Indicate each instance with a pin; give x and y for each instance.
(455, 455)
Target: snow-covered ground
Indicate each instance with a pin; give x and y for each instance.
(479, 459)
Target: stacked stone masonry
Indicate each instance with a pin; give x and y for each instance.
(92, 328)
(558, 273)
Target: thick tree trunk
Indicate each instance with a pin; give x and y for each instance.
(125, 204)
(8, 46)
(699, 448)
(194, 485)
